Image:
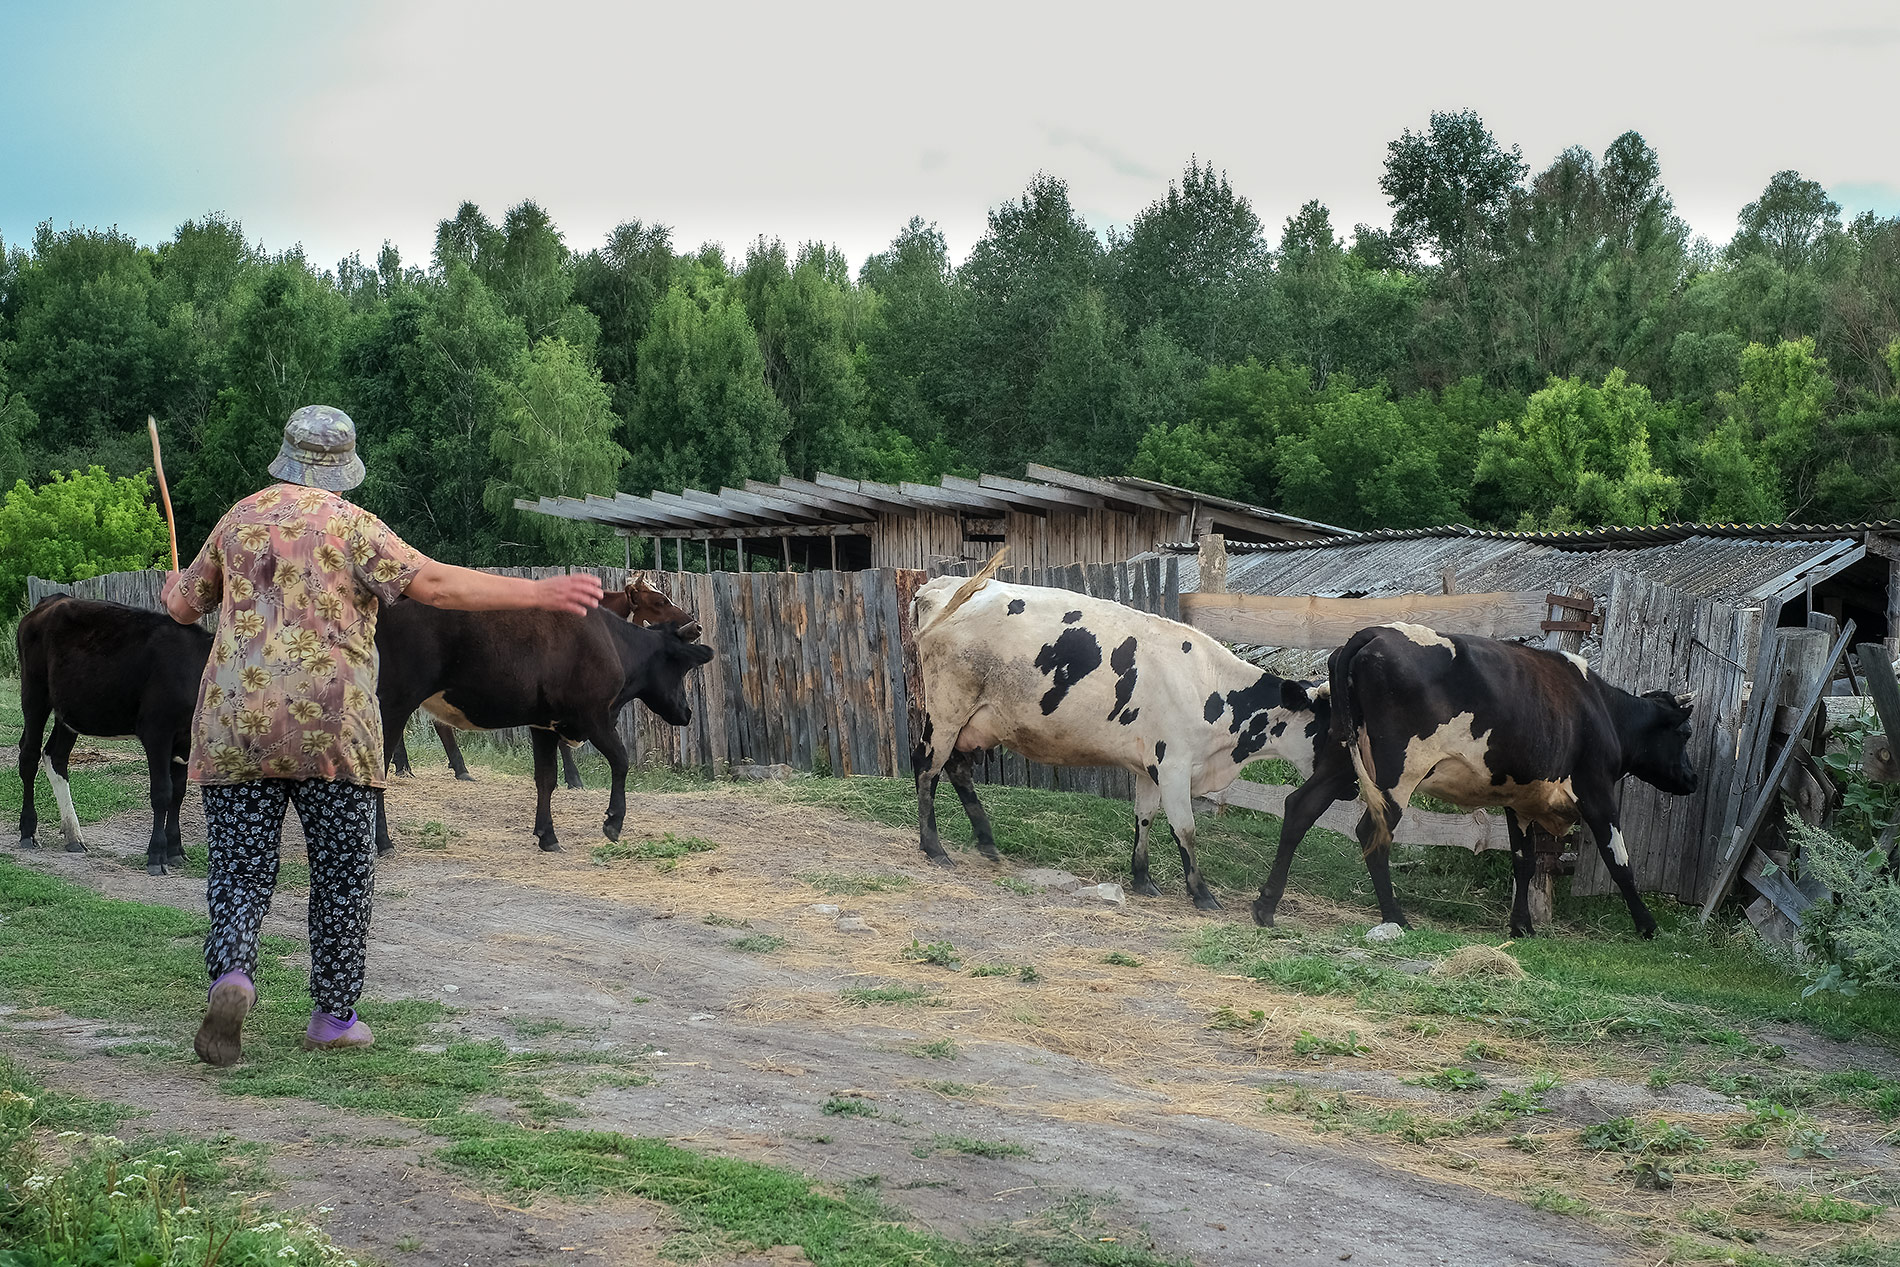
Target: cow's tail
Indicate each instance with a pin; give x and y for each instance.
(1348, 728)
(967, 590)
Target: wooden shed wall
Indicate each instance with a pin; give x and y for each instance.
(923, 540)
(931, 540)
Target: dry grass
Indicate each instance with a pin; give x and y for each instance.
(1480, 961)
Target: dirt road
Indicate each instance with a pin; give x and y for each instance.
(1106, 1077)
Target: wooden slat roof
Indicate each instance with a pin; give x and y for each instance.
(828, 500)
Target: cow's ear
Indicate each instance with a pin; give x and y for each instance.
(702, 654)
(1293, 696)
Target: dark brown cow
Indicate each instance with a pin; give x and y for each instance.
(566, 676)
(116, 672)
(638, 602)
(1479, 723)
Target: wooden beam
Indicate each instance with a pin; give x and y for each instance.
(1876, 665)
(1770, 792)
(757, 532)
(1314, 623)
(959, 499)
(843, 492)
(711, 511)
(633, 509)
(1476, 832)
(1883, 547)
(744, 512)
(1817, 568)
(829, 504)
(1060, 498)
(1101, 488)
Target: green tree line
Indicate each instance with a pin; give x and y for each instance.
(1517, 349)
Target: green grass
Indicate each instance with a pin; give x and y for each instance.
(291, 874)
(847, 1106)
(838, 885)
(936, 1049)
(1688, 986)
(667, 848)
(757, 943)
(865, 996)
(965, 1146)
(940, 953)
(1119, 959)
(76, 1194)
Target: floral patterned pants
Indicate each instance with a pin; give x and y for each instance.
(245, 824)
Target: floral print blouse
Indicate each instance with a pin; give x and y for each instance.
(296, 576)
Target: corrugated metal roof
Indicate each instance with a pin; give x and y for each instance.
(1593, 538)
(1731, 569)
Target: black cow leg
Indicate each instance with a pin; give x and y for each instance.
(923, 764)
(158, 764)
(1147, 804)
(35, 709)
(570, 769)
(174, 825)
(959, 770)
(1523, 868)
(399, 759)
(384, 844)
(1599, 815)
(544, 742)
(607, 740)
(446, 734)
(1377, 847)
(1303, 809)
(58, 751)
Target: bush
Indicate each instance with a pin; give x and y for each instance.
(1857, 935)
(73, 527)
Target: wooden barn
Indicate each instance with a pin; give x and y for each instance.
(1050, 519)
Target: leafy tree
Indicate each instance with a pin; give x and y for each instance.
(1239, 416)
(555, 438)
(1195, 262)
(619, 282)
(87, 351)
(76, 526)
(1360, 464)
(914, 375)
(1450, 185)
(1579, 455)
(17, 425)
(1793, 223)
(421, 375)
(702, 414)
(286, 330)
(1764, 461)
(1332, 311)
(1022, 279)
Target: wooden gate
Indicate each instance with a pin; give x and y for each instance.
(1659, 638)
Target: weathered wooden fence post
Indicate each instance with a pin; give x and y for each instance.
(1561, 633)
(1213, 564)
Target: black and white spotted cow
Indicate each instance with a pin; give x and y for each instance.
(1075, 681)
(1478, 723)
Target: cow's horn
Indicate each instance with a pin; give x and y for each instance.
(690, 631)
(1685, 700)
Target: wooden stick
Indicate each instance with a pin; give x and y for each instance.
(164, 494)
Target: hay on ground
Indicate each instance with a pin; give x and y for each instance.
(1480, 961)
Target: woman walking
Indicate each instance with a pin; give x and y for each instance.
(287, 711)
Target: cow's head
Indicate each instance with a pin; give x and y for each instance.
(673, 657)
(644, 604)
(1657, 742)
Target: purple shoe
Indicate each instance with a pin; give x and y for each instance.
(219, 1036)
(336, 1033)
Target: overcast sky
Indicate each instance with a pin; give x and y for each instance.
(342, 124)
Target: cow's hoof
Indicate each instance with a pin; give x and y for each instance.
(549, 845)
(385, 849)
(155, 868)
(990, 853)
(1262, 914)
(27, 842)
(1208, 903)
(577, 786)
(1647, 934)
(1148, 888)
(940, 860)
(405, 774)
(610, 830)
(176, 858)
(465, 777)
(75, 846)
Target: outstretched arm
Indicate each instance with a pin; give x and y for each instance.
(464, 589)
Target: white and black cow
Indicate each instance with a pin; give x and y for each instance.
(1480, 723)
(1075, 681)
